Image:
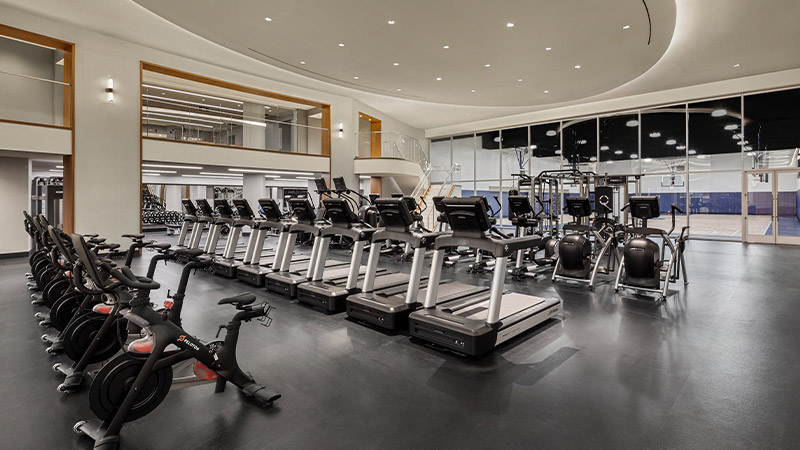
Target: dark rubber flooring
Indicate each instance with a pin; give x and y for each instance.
(715, 367)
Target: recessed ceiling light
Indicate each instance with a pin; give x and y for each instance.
(396, 64)
(736, 136)
(557, 152)
(551, 132)
(438, 78)
(59, 167)
(671, 142)
(302, 62)
(603, 148)
(519, 79)
(158, 171)
(632, 123)
(546, 92)
(680, 147)
(736, 65)
(399, 90)
(510, 25)
(593, 159)
(548, 48)
(655, 134)
(626, 27)
(487, 65)
(391, 22)
(472, 90)
(692, 151)
(54, 170)
(268, 19)
(582, 142)
(578, 66)
(634, 156)
(341, 44)
(719, 112)
(732, 127)
(446, 47)
(355, 78)
(617, 152)
(647, 159)
(533, 146)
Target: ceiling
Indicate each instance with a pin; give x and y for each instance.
(708, 40)
(613, 42)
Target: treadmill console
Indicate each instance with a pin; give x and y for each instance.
(223, 208)
(243, 208)
(579, 206)
(339, 184)
(188, 206)
(322, 186)
(204, 207)
(645, 207)
(395, 213)
(437, 203)
(271, 209)
(339, 212)
(303, 210)
(520, 205)
(467, 215)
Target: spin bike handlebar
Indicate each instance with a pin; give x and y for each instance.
(128, 279)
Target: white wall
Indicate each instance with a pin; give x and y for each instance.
(16, 197)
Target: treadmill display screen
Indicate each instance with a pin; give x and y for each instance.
(243, 208)
(270, 208)
(223, 207)
(339, 184)
(302, 210)
(339, 212)
(188, 206)
(520, 204)
(395, 213)
(467, 215)
(322, 186)
(204, 207)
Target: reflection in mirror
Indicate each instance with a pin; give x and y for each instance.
(770, 127)
(545, 146)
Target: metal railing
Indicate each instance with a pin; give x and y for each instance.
(396, 145)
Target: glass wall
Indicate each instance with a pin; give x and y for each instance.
(691, 155)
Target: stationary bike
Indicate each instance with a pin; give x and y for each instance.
(135, 382)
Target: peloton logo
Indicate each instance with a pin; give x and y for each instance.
(182, 338)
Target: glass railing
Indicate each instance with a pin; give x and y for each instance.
(392, 145)
(174, 119)
(40, 100)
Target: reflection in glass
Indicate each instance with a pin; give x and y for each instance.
(667, 196)
(580, 143)
(545, 146)
(440, 159)
(464, 157)
(487, 156)
(715, 135)
(759, 204)
(788, 204)
(770, 124)
(664, 140)
(619, 145)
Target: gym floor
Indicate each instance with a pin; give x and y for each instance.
(714, 367)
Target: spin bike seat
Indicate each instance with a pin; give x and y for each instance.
(189, 252)
(160, 246)
(97, 240)
(245, 298)
(134, 236)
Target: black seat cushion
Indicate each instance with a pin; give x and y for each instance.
(97, 240)
(112, 246)
(245, 298)
(133, 236)
(189, 252)
(160, 245)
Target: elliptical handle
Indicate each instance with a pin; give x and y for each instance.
(675, 208)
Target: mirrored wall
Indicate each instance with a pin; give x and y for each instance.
(693, 155)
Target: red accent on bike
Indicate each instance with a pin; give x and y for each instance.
(102, 308)
(142, 347)
(169, 304)
(203, 372)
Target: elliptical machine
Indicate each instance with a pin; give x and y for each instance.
(643, 260)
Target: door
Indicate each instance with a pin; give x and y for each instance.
(771, 207)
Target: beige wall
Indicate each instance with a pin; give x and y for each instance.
(14, 186)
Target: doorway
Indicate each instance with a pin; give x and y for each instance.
(771, 206)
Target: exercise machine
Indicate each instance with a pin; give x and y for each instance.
(476, 324)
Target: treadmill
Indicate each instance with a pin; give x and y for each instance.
(253, 271)
(208, 216)
(477, 324)
(204, 215)
(224, 217)
(189, 219)
(328, 295)
(288, 277)
(229, 263)
(388, 308)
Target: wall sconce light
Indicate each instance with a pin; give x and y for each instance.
(110, 90)
(341, 129)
